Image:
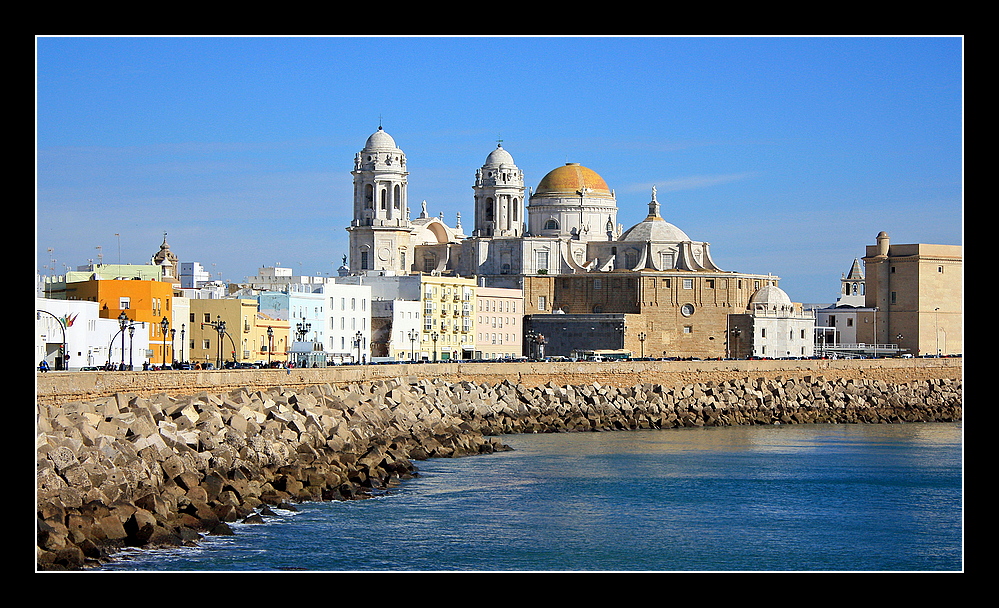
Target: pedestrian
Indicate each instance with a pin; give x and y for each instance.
(43, 366)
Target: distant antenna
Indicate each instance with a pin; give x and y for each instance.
(379, 121)
(499, 141)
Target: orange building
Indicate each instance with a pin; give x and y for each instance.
(147, 302)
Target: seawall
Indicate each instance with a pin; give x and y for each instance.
(74, 386)
(150, 467)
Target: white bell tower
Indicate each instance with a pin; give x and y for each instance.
(499, 196)
(380, 228)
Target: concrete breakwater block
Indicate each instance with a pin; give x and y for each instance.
(133, 471)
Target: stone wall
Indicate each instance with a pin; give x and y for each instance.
(147, 470)
(74, 386)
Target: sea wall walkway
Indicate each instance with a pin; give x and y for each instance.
(59, 387)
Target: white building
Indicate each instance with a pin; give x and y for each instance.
(396, 328)
(275, 278)
(88, 340)
(780, 329)
(347, 322)
(193, 275)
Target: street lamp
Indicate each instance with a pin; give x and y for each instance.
(219, 326)
(165, 324)
(434, 337)
(358, 340)
(131, 344)
(183, 327)
(875, 332)
(641, 338)
(413, 335)
(936, 328)
(123, 323)
(270, 344)
(173, 353)
(62, 358)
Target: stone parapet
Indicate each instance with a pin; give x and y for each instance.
(57, 387)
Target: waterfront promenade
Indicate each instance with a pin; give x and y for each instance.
(59, 387)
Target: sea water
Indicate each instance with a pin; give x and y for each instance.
(866, 497)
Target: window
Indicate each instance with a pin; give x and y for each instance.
(551, 225)
(687, 329)
(541, 260)
(893, 294)
(542, 302)
(711, 283)
(123, 303)
(688, 283)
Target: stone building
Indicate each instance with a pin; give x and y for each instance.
(915, 293)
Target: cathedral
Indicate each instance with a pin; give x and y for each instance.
(570, 225)
(586, 280)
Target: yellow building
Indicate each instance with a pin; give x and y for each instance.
(223, 330)
(146, 302)
(915, 296)
(448, 318)
(269, 339)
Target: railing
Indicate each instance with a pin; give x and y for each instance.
(860, 348)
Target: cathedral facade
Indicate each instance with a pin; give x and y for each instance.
(570, 225)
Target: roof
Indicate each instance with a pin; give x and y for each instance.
(570, 180)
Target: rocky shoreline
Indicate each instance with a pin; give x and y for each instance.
(159, 471)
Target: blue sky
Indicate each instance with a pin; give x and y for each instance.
(787, 154)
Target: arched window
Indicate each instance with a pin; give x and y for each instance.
(551, 224)
(490, 211)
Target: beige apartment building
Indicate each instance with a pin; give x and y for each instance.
(499, 323)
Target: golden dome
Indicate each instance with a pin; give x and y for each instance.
(570, 179)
